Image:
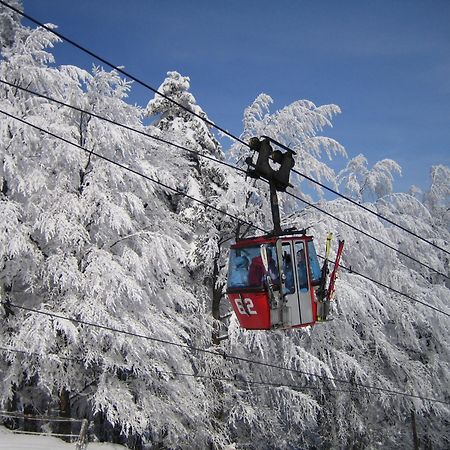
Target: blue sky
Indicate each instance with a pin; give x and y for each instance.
(386, 63)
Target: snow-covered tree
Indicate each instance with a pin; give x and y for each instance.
(88, 240)
(375, 332)
(9, 24)
(200, 178)
(362, 183)
(82, 238)
(298, 126)
(437, 198)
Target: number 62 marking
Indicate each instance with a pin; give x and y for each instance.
(245, 306)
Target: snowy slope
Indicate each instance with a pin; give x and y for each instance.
(11, 441)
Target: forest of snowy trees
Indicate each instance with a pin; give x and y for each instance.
(86, 239)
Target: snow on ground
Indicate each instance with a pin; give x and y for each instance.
(12, 441)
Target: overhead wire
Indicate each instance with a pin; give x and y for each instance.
(129, 169)
(119, 70)
(380, 216)
(207, 205)
(126, 127)
(202, 117)
(157, 138)
(389, 391)
(236, 378)
(230, 356)
(353, 227)
(221, 211)
(415, 300)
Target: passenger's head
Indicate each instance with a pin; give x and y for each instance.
(241, 262)
(301, 255)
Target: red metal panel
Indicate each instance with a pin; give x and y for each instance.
(258, 240)
(252, 309)
(313, 303)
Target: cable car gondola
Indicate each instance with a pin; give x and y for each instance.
(275, 281)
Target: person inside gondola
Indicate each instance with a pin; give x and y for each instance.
(314, 267)
(257, 272)
(302, 271)
(273, 268)
(289, 274)
(239, 276)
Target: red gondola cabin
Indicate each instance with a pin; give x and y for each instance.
(272, 282)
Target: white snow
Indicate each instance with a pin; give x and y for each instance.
(12, 441)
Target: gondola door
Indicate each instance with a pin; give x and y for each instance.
(305, 295)
(291, 309)
(300, 309)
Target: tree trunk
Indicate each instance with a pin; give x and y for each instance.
(12, 407)
(414, 430)
(29, 425)
(64, 411)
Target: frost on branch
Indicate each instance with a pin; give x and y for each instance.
(437, 198)
(84, 240)
(362, 183)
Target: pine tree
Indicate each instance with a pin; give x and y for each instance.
(91, 242)
(437, 198)
(375, 333)
(360, 183)
(9, 24)
(87, 240)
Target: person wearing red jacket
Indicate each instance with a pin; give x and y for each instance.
(257, 271)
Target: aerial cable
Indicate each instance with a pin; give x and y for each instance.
(229, 356)
(129, 169)
(160, 340)
(207, 205)
(223, 163)
(350, 270)
(234, 379)
(209, 122)
(173, 101)
(368, 235)
(126, 127)
(312, 180)
(119, 70)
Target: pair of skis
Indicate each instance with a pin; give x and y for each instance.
(326, 294)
